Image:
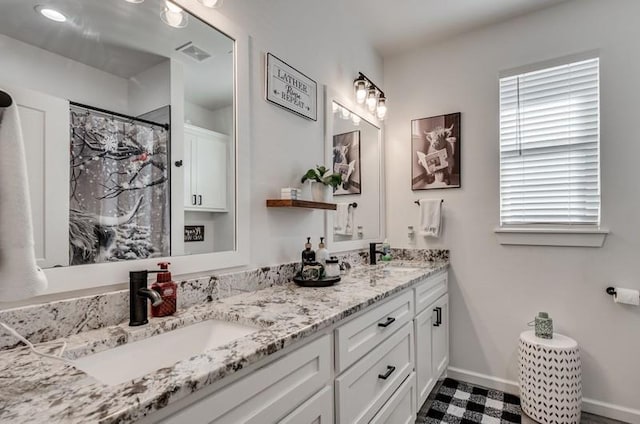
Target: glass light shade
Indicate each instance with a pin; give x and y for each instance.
(213, 4)
(381, 110)
(355, 119)
(361, 91)
(173, 15)
(372, 99)
(345, 113)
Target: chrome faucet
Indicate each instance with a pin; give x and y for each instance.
(373, 252)
(138, 295)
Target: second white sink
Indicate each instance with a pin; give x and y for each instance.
(137, 359)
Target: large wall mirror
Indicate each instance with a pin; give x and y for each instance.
(129, 112)
(354, 148)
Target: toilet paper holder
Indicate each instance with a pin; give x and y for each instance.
(611, 291)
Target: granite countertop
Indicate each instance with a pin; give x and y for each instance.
(38, 389)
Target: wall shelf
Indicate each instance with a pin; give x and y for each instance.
(307, 204)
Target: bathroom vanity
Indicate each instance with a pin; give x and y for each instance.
(368, 349)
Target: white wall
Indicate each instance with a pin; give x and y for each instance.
(27, 66)
(330, 49)
(495, 290)
(150, 89)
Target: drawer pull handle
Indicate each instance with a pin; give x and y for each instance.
(438, 312)
(193, 199)
(387, 374)
(387, 323)
(199, 199)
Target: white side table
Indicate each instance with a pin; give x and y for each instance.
(550, 378)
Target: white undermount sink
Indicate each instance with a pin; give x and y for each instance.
(136, 359)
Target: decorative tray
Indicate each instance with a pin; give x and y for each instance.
(323, 282)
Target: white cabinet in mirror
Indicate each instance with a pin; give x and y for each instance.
(121, 128)
(354, 147)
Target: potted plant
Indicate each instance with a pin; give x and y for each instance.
(321, 178)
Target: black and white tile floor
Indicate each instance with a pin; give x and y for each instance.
(456, 402)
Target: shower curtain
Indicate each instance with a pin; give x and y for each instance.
(119, 193)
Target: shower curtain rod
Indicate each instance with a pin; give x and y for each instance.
(121, 115)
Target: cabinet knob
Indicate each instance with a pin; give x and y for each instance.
(178, 163)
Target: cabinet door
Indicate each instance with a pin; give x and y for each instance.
(440, 336)
(190, 141)
(317, 410)
(211, 173)
(424, 331)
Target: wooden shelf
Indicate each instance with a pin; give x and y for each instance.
(307, 204)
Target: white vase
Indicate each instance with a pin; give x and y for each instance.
(319, 192)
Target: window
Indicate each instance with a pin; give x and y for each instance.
(549, 146)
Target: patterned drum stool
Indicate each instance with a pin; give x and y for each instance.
(550, 378)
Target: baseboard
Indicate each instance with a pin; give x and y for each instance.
(591, 406)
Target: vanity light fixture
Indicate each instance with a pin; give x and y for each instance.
(173, 15)
(355, 119)
(369, 93)
(51, 14)
(213, 4)
(345, 113)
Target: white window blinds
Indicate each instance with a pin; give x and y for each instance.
(549, 146)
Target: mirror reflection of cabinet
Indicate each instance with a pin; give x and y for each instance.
(205, 169)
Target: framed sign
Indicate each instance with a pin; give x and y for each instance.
(193, 233)
(435, 152)
(290, 88)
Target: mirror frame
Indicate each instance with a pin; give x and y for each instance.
(330, 96)
(81, 277)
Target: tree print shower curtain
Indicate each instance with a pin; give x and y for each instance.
(119, 194)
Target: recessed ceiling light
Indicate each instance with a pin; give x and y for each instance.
(50, 13)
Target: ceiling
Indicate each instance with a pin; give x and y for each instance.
(125, 39)
(397, 26)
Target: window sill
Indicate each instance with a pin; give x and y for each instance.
(552, 236)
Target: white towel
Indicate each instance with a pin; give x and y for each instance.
(344, 220)
(20, 277)
(430, 217)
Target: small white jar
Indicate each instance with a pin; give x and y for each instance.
(332, 268)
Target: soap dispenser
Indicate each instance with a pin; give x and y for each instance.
(322, 254)
(308, 255)
(168, 290)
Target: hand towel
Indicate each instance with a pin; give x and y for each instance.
(344, 220)
(430, 217)
(20, 276)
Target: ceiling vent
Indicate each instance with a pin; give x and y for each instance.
(194, 52)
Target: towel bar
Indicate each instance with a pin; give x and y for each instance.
(417, 202)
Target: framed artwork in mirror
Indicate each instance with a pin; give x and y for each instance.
(290, 89)
(435, 152)
(346, 161)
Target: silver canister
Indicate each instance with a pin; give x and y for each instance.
(544, 326)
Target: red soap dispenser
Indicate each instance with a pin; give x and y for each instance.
(168, 290)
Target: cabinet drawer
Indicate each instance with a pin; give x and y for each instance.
(363, 389)
(430, 290)
(268, 394)
(401, 408)
(357, 337)
(317, 410)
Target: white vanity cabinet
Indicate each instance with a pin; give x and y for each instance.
(269, 394)
(206, 154)
(375, 367)
(431, 326)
